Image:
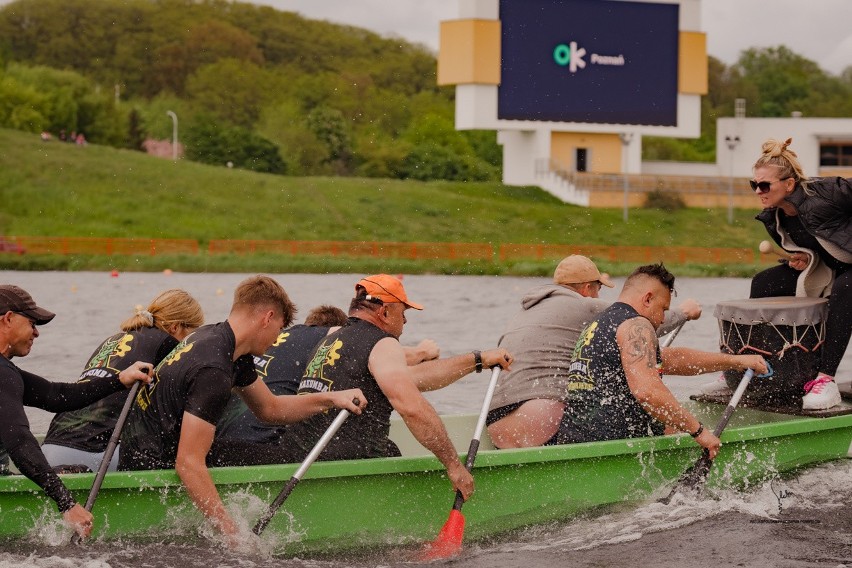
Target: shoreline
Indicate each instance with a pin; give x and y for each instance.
(286, 264)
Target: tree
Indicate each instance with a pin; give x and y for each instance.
(135, 133)
(211, 142)
(231, 89)
(329, 127)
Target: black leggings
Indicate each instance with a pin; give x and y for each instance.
(781, 281)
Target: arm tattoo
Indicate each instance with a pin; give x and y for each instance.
(641, 343)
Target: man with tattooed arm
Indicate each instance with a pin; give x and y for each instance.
(615, 387)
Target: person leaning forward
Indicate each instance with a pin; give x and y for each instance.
(19, 316)
(366, 353)
(527, 404)
(173, 420)
(615, 386)
(242, 439)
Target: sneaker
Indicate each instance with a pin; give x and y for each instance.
(821, 393)
(719, 387)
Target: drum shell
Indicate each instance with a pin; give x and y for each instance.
(793, 367)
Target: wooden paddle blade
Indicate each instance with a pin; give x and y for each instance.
(692, 479)
(449, 541)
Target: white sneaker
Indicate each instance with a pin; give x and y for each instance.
(719, 387)
(822, 393)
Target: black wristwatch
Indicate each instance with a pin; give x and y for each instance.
(697, 432)
(477, 357)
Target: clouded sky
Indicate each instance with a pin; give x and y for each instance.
(820, 30)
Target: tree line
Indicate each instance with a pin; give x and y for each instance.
(272, 91)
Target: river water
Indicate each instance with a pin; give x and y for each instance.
(800, 521)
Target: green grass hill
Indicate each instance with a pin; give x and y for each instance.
(58, 189)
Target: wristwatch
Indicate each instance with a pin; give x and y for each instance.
(697, 432)
(477, 357)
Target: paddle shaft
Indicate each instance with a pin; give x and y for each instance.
(732, 404)
(673, 334)
(696, 474)
(308, 461)
(108, 453)
(477, 433)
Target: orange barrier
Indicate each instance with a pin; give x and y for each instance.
(98, 245)
(639, 254)
(390, 250)
(416, 251)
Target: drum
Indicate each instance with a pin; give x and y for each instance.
(787, 331)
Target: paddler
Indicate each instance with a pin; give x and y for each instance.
(366, 353)
(615, 387)
(20, 317)
(173, 421)
(528, 402)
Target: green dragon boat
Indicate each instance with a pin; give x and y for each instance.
(363, 504)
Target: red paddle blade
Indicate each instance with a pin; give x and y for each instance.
(449, 541)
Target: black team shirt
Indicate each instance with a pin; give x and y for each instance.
(89, 429)
(196, 377)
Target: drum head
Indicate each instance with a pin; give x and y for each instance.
(781, 310)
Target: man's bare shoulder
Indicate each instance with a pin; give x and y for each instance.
(638, 341)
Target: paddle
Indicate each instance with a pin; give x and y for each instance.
(695, 476)
(450, 538)
(311, 457)
(108, 453)
(672, 334)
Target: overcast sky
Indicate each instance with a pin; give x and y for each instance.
(820, 30)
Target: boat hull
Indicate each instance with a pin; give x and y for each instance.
(397, 501)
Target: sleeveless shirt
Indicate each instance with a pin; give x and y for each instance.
(599, 404)
(340, 362)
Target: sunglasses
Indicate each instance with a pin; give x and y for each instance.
(763, 186)
(28, 318)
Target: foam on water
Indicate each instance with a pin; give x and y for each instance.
(819, 489)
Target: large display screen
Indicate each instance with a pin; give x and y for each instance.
(590, 61)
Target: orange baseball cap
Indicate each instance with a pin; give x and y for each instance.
(387, 289)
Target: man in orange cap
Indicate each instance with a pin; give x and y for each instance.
(527, 404)
(365, 353)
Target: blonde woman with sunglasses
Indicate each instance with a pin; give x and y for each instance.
(811, 219)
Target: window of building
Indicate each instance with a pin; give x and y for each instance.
(835, 154)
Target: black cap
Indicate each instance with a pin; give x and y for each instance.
(15, 299)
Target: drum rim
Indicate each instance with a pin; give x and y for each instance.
(778, 310)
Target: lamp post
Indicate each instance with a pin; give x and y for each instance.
(626, 138)
(732, 142)
(174, 134)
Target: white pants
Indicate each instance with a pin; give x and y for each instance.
(63, 455)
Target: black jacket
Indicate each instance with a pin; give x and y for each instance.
(825, 211)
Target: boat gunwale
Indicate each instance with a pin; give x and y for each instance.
(223, 476)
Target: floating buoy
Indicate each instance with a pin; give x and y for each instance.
(73, 288)
(114, 274)
(167, 272)
(219, 291)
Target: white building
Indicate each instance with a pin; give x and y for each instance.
(572, 86)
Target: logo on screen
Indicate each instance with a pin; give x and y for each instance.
(569, 55)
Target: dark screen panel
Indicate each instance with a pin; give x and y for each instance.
(591, 61)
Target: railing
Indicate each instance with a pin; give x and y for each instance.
(383, 250)
(643, 183)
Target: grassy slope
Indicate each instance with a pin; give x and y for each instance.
(58, 189)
